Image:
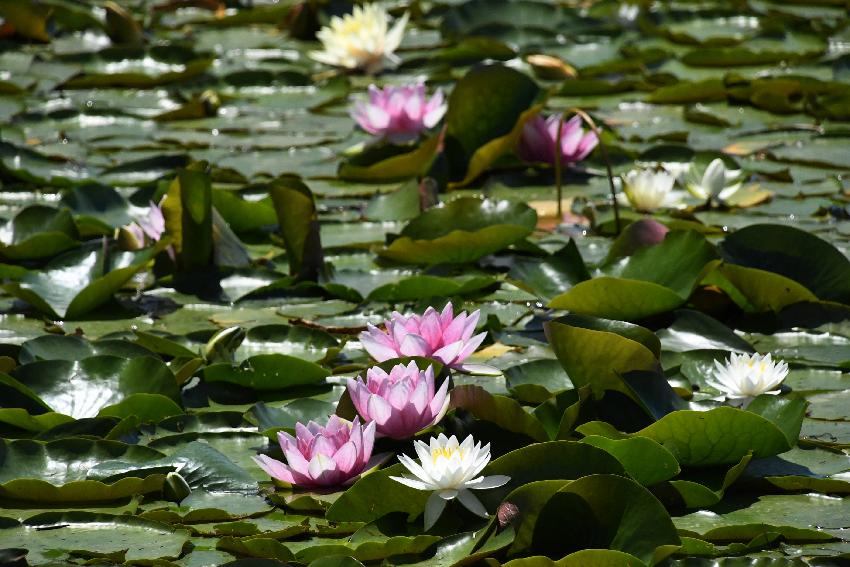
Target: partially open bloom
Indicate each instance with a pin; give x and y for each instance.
(399, 114)
(540, 139)
(440, 336)
(323, 456)
(748, 375)
(401, 403)
(647, 190)
(146, 230)
(450, 469)
(714, 183)
(361, 40)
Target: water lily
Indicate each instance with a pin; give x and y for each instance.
(714, 183)
(748, 375)
(399, 114)
(539, 140)
(146, 230)
(441, 336)
(402, 402)
(361, 40)
(648, 190)
(329, 455)
(449, 469)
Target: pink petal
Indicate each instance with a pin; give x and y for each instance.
(368, 434)
(379, 410)
(449, 353)
(376, 348)
(471, 323)
(274, 468)
(399, 394)
(440, 399)
(447, 315)
(431, 331)
(359, 394)
(346, 459)
(322, 469)
(454, 331)
(587, 145)
(470, 346)
(414, 345)
(419, 398)
(321, 445)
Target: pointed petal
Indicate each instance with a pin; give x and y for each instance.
(486, 482)
(433, 508)
(411, 482)
(471, 503)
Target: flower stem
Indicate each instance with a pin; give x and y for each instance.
(589, 121)
(558, 169)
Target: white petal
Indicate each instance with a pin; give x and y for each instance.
(484, 482)
(412, 483)
(471, 503)
(448, 494)
(433, 508)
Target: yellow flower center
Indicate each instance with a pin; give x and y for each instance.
(761, 367)
(445, 453)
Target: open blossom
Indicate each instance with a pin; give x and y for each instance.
(145, 230)
(539, 140)
(323, 456)
(647, 190)
(715, 182)
(449, 469)
(402, 402)
(748, 375)
(399, 114)
(361, 40)
(440, 336)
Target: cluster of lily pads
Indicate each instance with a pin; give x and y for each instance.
(606, 241)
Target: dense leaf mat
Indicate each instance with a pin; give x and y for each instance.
(139, 378)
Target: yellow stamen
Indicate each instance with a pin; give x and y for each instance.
(445, 453)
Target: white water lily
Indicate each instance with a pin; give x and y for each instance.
(361, 39)
(716, 182)
(450, 469)
(647, 190)
(748, 375)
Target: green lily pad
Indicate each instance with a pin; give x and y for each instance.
(722, 435)
(38, 232)
(267, 372)
(79, 281)
(485, 105)
(94, 535)
(96, 382)
(57, 471)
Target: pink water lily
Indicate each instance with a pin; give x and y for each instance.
(540, 139)
(399, 114)
(149, 229)
(440, 336)
(402, 402)
(323, 456)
